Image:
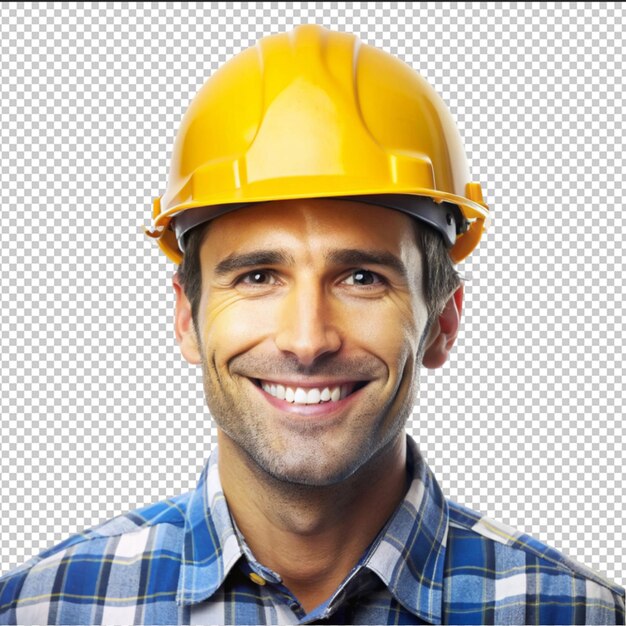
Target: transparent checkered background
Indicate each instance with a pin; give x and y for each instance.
(101, 414)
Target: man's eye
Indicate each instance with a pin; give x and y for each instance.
(365, 278)
(358, 278)
(256, 277)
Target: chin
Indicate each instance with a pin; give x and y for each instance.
(309, 472)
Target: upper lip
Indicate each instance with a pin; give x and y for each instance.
(311, 383)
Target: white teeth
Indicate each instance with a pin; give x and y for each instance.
(315, 395)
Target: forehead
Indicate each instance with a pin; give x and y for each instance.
(309, 226)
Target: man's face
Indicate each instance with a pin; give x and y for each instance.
(319, 307)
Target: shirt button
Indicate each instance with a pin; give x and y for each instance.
(255, 578)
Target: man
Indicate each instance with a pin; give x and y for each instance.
(317, 201)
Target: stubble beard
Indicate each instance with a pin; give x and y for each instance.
(302, 457)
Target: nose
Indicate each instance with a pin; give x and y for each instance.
(306, 327)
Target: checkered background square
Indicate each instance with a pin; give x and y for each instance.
(101, 414)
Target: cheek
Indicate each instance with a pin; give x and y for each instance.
(233, 323)
(376, 326)
(396, 326)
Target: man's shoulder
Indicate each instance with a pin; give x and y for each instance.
(118, 546)
(522, 569)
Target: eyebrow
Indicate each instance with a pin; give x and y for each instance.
(343, 256)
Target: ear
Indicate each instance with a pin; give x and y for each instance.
(183, 325)
(444, 331)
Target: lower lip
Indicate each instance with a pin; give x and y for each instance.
(324, 409)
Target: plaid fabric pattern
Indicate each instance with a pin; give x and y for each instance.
(184, 561)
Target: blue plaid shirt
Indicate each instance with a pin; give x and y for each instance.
(184, 561)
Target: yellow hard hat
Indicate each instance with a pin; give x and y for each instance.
(314, 113)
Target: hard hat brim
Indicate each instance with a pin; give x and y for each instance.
(444, 217)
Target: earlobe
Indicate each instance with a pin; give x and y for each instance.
(183, 325)
(444, 332)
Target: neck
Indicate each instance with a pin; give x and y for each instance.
(312, 536)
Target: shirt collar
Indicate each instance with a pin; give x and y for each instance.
(210, 545)
(408, 555)
(409, 558)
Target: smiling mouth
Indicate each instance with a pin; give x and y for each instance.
(309, 395)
